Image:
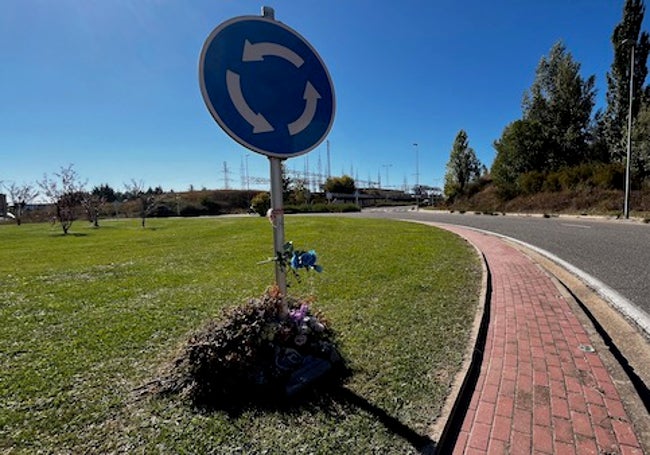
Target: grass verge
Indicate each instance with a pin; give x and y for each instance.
(87, 318)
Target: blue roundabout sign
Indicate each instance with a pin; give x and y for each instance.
(266, 86)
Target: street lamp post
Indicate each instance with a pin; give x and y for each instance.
(626, 206)
(417, 176)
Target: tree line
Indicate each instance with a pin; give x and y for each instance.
(66, 193)
(559, 142)
(67, 199)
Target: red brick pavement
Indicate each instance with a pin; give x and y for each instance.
(538, 392)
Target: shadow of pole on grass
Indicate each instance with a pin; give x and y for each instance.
(422, 443)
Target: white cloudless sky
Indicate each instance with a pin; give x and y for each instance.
(112, 86)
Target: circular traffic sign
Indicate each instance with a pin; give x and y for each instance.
(266, 86)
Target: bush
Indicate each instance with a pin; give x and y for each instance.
(212, 207)
(232, 199)
(575, 177)
(348, 208)
(609, 176)
(162, 211)
(255, 354)
(552, 183)
(531, 182)
(193, 210)
(261, 203)
(585, 176)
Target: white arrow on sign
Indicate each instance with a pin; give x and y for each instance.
(256, 120)
(256, 53)
(311, 98)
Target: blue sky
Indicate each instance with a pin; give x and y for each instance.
(112, 86)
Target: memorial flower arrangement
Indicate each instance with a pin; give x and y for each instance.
(258, 352)
(295, 260)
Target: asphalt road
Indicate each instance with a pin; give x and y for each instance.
(615, 252)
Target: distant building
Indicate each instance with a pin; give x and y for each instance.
(3, 204)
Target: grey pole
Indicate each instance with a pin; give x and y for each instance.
(277, 210)
(277, 218)
(626, 208)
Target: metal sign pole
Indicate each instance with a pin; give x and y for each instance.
(230, 62)
(277, 211)
(277, 218)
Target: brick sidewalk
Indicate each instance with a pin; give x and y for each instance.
(538, 391)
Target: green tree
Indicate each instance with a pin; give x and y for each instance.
(344, 184)
(106, 192)
(520, 149)
(287, 183)
(300, 193)
(613, 121)
(561, 101)
(463, 167)
(261, 203)
(640, 159)
(556, 128)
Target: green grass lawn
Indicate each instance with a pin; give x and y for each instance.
(87, 318)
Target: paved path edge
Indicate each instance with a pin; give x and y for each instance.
(444, 430)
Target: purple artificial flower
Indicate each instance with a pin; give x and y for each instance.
(299, 315)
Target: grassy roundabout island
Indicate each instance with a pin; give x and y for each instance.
(89, 318)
